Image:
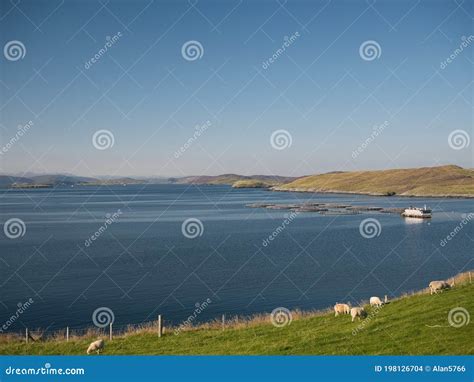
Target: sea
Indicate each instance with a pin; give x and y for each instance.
(83, 256)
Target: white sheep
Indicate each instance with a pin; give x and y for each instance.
(357, 312)
(96, 346)
(341, 309)
(436, 286)
(375, 301)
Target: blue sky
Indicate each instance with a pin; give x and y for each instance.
(320, 90)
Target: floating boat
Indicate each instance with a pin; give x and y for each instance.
(415, 212)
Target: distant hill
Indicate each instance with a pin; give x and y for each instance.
(55, 180)
(230, 179)
(426, 181)
(6, 180)
(112, 181)
(61, 179)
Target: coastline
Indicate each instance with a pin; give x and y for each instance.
(234, 322)
(316, 191)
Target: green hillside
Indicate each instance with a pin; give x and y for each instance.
(415, 324)
(425, 181)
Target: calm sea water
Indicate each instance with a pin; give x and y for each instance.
(142, 265)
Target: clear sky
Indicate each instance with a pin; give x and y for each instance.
(322, 89)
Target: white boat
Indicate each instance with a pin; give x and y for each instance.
(415, 212)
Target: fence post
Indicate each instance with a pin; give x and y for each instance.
(26, 335)
(223, 321)
(67, 333)
(159, 326)
(470, 280)
(110, 332)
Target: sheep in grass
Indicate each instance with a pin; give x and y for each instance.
(96, 346)
(341, 309)
(375, 301)
(436, 286)
(357, 312)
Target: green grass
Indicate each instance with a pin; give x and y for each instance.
(399, 328)
(426, 181)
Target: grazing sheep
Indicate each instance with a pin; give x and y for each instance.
(375, 301)
(357, 312)
(341, 309)
(96, 346)
(436, 286)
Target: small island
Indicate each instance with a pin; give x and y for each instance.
(251, 183)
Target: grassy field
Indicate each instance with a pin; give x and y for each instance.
(415, 324)
(427, 181)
